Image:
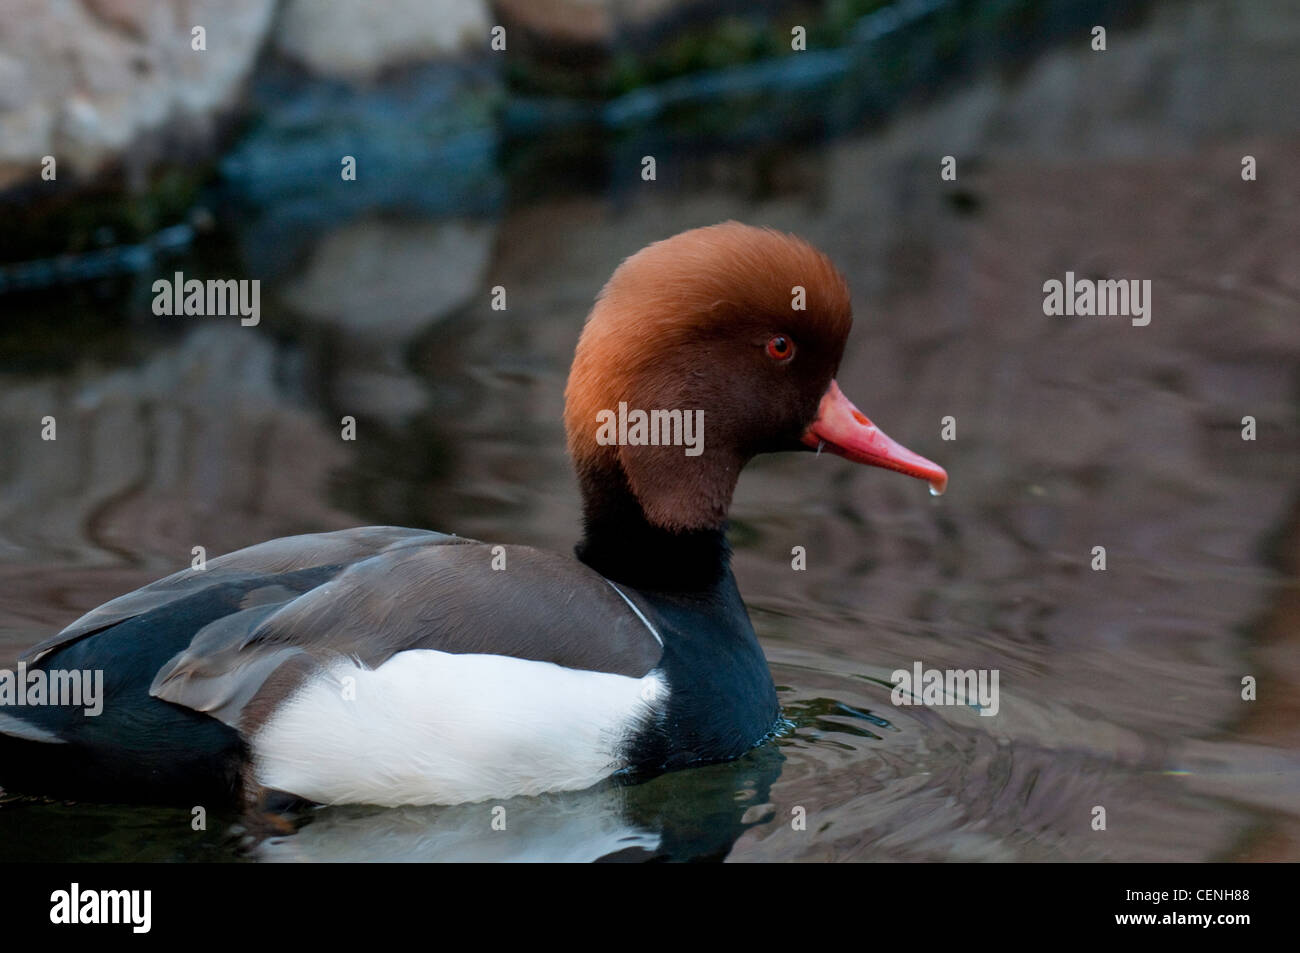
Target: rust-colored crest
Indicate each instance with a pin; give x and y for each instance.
(682, 324)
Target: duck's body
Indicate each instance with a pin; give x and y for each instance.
(399, 666)
(258, 673)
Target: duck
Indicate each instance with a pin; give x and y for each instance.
(395, 666)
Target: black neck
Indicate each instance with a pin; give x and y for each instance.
(622, 545)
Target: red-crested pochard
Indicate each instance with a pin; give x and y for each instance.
(400, 666)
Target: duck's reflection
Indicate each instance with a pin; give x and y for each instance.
(696, 814)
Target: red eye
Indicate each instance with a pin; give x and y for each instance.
(780, 348)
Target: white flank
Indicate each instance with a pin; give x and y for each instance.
(431, 727)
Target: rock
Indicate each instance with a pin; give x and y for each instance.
(587, 22)
(570, 22)
(85, 82)
(352, 40)
(129, 15)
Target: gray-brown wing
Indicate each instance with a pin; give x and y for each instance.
(415, 594)
(277, 556)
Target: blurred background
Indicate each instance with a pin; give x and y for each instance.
(478, 168)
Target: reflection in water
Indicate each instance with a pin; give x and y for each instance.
(696, 815)
(577, 828)
(1118, 689)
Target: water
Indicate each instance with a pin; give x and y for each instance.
(1119, 689)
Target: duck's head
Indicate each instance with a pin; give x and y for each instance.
(744, 324)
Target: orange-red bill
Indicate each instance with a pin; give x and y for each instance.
(843, 429)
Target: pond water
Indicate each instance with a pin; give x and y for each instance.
(1119, 689)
